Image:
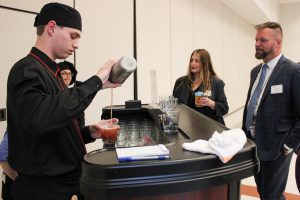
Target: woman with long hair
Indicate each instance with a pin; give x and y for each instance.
(201, 89)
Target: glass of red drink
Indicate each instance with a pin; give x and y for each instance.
(109, 133)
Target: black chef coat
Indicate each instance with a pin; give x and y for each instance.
(44, 137)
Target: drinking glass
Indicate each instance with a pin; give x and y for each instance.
(109, 133)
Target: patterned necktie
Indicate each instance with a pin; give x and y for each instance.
(253, 100)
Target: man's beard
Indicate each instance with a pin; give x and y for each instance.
(260, 54)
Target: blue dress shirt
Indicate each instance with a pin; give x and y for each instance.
(4, 148)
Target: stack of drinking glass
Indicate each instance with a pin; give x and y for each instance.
(136, 133)
(170, 116)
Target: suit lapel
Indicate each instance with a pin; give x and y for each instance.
(253, 78)
(276, 72)
(255, 73)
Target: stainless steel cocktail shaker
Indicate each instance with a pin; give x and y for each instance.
(122, 69)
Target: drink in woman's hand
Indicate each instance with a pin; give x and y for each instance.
(198, 96)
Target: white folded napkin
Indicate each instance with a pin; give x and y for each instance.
(225, 145)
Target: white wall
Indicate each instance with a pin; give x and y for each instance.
(153, 46)
(32, 5)
(270, 8)
(167, 37)
(107, 33)
(255, 11)
(290, 19)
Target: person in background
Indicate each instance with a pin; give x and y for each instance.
(68, 74)
(297, 168)
(9, 174)
(202, 78)
(45, 142)
(272, 110)
(297, 171)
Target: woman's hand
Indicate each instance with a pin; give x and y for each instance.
(205, 101)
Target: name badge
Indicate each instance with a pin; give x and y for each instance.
(277, 89)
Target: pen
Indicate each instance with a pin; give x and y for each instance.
(136, 158)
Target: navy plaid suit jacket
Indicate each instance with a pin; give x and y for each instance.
(278, 115)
